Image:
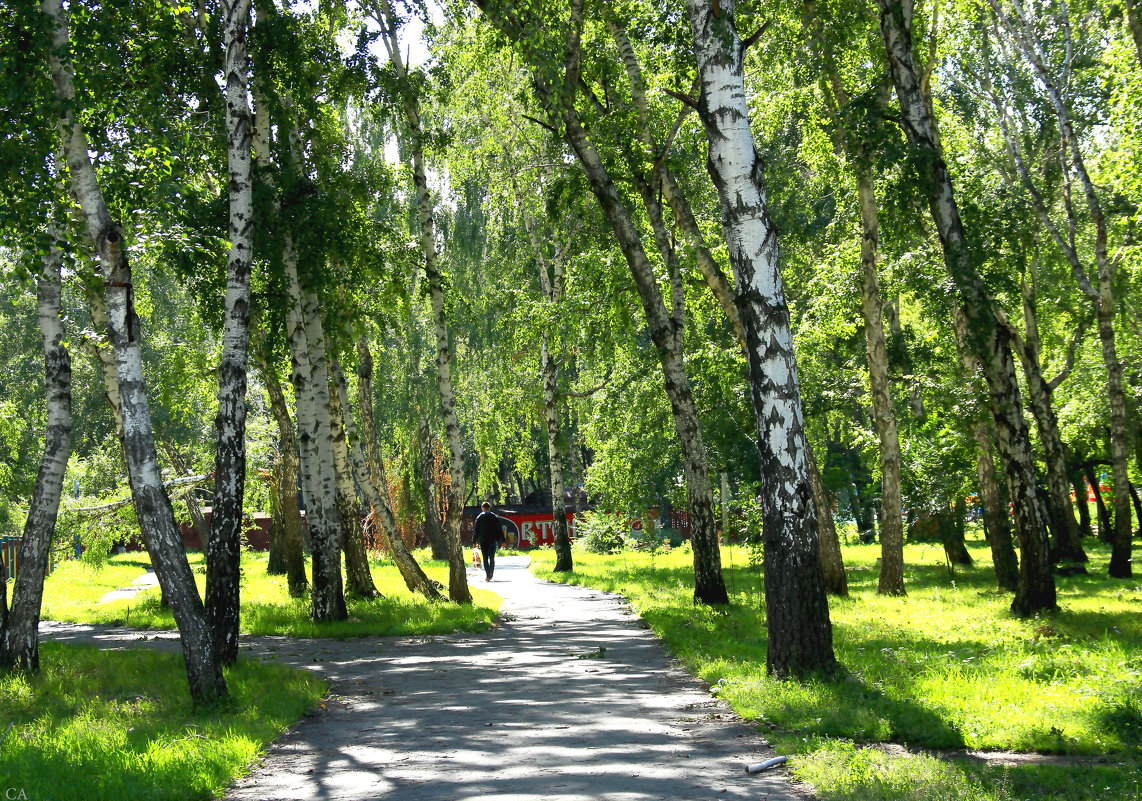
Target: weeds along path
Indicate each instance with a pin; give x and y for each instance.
(570, 697)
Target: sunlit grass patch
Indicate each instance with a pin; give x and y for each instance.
(945, 667)
(72, 593)
(119, 725)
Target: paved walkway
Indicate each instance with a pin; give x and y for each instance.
(513, 713)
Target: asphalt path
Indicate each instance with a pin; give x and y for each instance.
(569, 698)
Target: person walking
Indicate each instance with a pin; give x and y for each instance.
(488, 535)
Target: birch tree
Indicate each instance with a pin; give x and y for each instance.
(152, 505)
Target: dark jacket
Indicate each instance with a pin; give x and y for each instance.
(487, 530)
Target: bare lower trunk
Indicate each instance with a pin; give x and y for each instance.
(432, 529)
(224, 552)
(457, 570)
(1120, 552)
(292, 543)
(19, 640)
(985, 337)
(1085, 529)
(800, 633)
(311, 389)
(1067, 548)
(152, 505)
(377, 494)
(359, 580)
(995, 512)
(832, 566)
(563, 559)
(1105, 530)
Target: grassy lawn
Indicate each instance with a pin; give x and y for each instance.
(73, 590)
(119, 725)
(946, 667)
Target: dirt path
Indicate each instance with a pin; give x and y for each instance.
(510, 714)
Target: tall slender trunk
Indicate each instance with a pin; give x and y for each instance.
(152, 505)
(224, 552)
(1067, 548)
(311, 390)
(457, 569)
(359, 579)
(800, 633)
(1134, 21)
(1036, 590)
(880, 391)
(432, 529)
(563, 559)
(378, 496)
(832, 566)
(19, 646)
(991, 494)
(292, 542)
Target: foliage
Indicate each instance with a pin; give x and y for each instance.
(108, 725)
(599, 532)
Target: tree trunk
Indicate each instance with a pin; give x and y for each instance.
(432, 529)
(1036, 589)
(800, 633)
(563, 559)
(1079, 486)
(292, 542)
(152, 505)
(880, 391)
(19, 646)
(832, 566)
(359, 580)
(1067, 548)
(311, 389)
(223, 556)
(1105, 530)
(1134, 20)
(709, 586)
(378, 497)
(457, 569)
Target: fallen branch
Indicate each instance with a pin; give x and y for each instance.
(106, 508)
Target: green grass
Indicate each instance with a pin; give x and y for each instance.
(73, 590)
(119, 725)
(946, 667)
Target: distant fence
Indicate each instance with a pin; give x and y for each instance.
(10, 553)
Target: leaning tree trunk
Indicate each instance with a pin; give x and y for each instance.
(223, 555)
(563, 559)
(436, 539)
(457, 569)
(1105, 530)
(800, 633)
(359, 579)
(1067, 547)
(891, 524)
(1079, 487)
(152, 505)
(1036, 590)
(991, 494)
(378, 497)
(19, 646)
(709, 586)
(832, 566)
(292, 543)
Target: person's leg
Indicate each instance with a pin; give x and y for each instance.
(489, 554)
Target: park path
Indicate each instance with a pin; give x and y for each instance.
(513, 713)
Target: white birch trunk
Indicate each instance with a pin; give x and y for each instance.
(19, 646)
(800, 633)
(359, 579)
(152, 505)
(224, 552)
